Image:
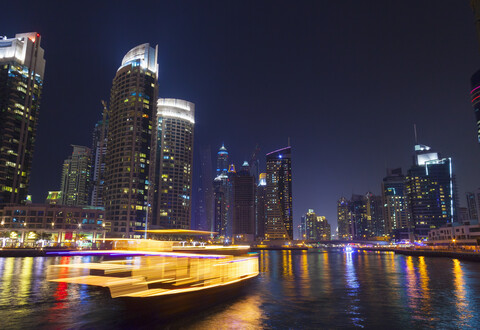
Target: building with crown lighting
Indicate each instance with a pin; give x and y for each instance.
(22, 67)
(430, 190)
(261, 206)
(132, 119)
(279, 195)
(173, 164)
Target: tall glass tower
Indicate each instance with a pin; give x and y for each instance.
(21, 79)
(279, 195)
(174, 163)
(133, 106)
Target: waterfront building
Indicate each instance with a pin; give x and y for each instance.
(473, 199)
(132, 119)
(458, 233)
(243, 187)
(430, 191)
(279, 195)
(205, 197)
(361, 224)
(99, 150)
(395, 209)
(22, 67)
(174, 164)
(343, 219)
(475, 79)
(261, 206)
(375, 215)
(61, 223)
(316, 227)
(76, 175)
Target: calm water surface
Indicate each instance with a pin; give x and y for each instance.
(295, 290)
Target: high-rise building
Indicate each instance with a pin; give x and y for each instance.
(21, 79)
(76, 175)
(204, 198)
(472, 205)
(222, 160)
(395, 209)
(430, 191)
(475, 79)
(375, 215)
(316, 227)
(243, 187)
(99, 149)
(279, 195)
(174, 164)
(261, 206)
(343, 219)
(132, 119)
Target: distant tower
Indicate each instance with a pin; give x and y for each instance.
(261, 206)
(132, 121)
(343, 219)
(99, 149)
(244, 204)
(222, 160)
(76, 177)
(279, 195)
(21, 79)
(205, 198)
(174, 164)
(475, 79)
(395, 210)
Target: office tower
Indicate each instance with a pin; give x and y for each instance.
(222, 160)
(302, 227)
(279, 195)
(261, 206)
(395, 210)
(132, 118)
(361, 224)
(76, 175)
(472, 206)
(375, 215)
(243, 187)
(174, 164)
(21, 79)
(343, 219)
(310, 219)
(99, 149)
(430, 191)
(324, 231)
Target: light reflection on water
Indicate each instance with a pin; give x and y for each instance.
(295, 289)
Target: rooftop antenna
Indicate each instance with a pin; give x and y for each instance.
(415, 132)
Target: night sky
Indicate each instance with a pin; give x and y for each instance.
(345, 80)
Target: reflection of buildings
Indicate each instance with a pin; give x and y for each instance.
(75, 185)
(279, 195)
(21, 79)
(64, 223)
(174, 164)
(430, 191)
(133, 106)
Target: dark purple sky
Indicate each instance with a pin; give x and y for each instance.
(345, 80)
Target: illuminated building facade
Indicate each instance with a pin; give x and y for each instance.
(133, 107)
(54, 198)
(261, 206)
(22, 68)
(473, 199)
(222, 194)
(174, 164)
(243, 187)
(475, 96)
(279, 195)
(99, 149)
(222, 160)
(430, 191)
(60, 223)
(395, 209)
(204, 211)
(343, 219)
(76, 175)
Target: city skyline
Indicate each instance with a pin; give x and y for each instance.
(335, 101)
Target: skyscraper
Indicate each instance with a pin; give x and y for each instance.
(430, 191)
(76, 175)
(243, 185)
(21, 79)
(174, 164)
(475, 79)
(395, 210)
(133, 107)
(261, 206)
(473, 204)
(343, 219)
(279, 195)
(222, 160)
(204, 209)
(99, 149)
